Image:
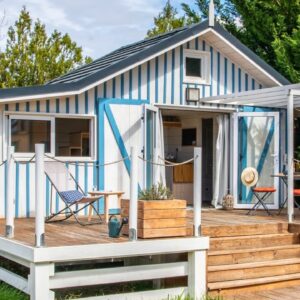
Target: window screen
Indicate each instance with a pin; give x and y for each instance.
(72, 137)
(193, 67)
(26, 133)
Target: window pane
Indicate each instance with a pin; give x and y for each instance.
(72, 137)
(193, 67)
(26, 133)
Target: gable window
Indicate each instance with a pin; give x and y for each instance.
(196, 66)
(62, 136)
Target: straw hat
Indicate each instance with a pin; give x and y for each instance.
(249, 177)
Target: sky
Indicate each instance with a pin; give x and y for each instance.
(99, 26)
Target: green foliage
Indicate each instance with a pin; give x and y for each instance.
(188, 297)
(31, 57)
(166, 21)
(9, 293)
(156, 192)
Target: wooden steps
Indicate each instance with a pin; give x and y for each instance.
(252, 257)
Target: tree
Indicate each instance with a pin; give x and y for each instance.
(31, 57)
(166, 21)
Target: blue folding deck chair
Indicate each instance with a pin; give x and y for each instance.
(70, 192)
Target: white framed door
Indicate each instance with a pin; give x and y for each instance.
(256, 144)
(150, 119)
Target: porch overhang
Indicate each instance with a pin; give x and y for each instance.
(284, 97)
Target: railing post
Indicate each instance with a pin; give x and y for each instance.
(39, 196)
(133, 205)
(10, 201)
(197, 274)
(197, 190)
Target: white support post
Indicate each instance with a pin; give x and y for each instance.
(197, 191)
(133, 206)
(197, 274)
(10, 201)
(39, 196)
(290, 155)
(39, 281)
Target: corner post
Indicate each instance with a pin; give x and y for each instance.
(133, 205)
(39, 281)
(10, 204)
(39, 196)
(197, 190)
(197, 274)
(290, 155)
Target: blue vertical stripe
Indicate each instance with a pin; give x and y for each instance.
(218, 73)
(56, 202)
(203, 86)
(225, 76)
(95, 99)
(47, 197)
(67, 105)
(246, 82)
(27, 190)
(240, 79)
(114, 87)
(148, 79)
(203, 46)
(76, 104)
(211, 69)
(130, 84)
(165, 77)
(253, 84)
(173, 77)
(122, 86)
(140, 82)
(156, 79)
(86, 102)
(105, 89)
(196, 43)
(57, 105)
(47, 105)
(260, 86)
(181, 75)
(86, 174)
(76, 177)
(6, 107)
(95, 175)
(17, 189)
(100, 149)
(17, 106)
(233, 77)
(188, 45)
(27, 106)
(37, 106)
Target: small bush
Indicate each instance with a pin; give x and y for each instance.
(8, 292)
(156, 192)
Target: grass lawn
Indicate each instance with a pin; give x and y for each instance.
(9, 293)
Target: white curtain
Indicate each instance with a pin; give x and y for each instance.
(221, 170)
(159, 152)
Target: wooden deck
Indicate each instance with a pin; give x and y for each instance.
(70, 233)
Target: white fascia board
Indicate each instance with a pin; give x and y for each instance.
(199, 108)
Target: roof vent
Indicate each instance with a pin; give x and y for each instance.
(211, 16)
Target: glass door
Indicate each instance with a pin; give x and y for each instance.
(150, 128)
(257, 146)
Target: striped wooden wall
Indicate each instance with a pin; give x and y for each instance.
(159, 80)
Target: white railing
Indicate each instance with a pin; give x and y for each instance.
(43, 279)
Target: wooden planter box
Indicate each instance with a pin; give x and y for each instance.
(158, 218)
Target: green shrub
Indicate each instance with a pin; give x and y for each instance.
(156, 192)
(8, 292)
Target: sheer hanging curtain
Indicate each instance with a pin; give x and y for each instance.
(160, 172)
(221, 170)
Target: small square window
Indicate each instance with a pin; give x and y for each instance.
(189, 137)
(193, 67)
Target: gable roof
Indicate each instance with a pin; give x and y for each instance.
(122, 58)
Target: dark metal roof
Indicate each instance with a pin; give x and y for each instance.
(126, 56)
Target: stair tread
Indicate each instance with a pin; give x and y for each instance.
(235, 251)
(250, 282)
(266, 263)
(259, 236)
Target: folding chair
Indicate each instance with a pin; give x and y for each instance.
(70, 193)
(249, 178)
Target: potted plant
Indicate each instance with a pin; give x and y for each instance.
(159, 215)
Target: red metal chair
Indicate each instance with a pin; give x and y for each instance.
(262, 194)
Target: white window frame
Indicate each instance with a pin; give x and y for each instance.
(6, 140)
(205, 66)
